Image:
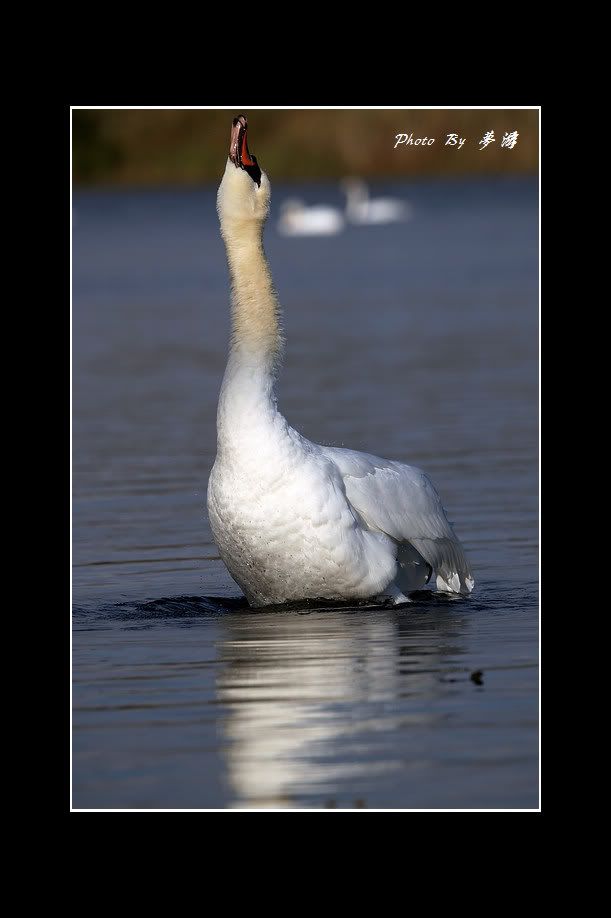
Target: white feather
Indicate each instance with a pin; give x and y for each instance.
(401, 501)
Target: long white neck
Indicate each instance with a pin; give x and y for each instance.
(255, 313)
(357, 195)
(247, 394)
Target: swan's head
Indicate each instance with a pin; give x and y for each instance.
(244, 193)
(291, 206)
(353, 187)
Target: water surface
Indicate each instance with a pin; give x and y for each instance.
(417, 342)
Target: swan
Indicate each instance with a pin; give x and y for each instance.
(360, 208)
(294, 520)
(298, 220)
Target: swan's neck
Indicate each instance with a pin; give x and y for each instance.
(255, 314)
(247, 394)
(357, 199)
(358, 193)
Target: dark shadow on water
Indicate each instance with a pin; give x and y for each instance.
(176, 607)
(491, 598)
(167, 607)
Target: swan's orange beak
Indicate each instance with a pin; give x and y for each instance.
(239, 153)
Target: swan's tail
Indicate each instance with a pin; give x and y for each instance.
(447, 559)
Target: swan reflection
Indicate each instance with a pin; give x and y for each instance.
(314, 702)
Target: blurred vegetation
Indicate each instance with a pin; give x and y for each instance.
(170, 147)
(93, 155)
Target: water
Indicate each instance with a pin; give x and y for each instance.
(417, 342)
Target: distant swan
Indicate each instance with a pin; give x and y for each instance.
(294, 520)
(298, 220)
(360, 208)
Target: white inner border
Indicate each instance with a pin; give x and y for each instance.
(304, 108)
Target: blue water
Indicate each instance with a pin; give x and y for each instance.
(417, 342)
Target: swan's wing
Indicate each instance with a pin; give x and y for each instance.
(401, 501)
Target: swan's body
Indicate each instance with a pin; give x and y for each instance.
(298, 220)
(292, 519)
(360, 208)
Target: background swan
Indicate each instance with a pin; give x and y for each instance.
(293, 519)
(360, 208)
(298, 220)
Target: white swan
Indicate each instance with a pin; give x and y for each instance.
(292, 519)
(360, 208)
(298, 220)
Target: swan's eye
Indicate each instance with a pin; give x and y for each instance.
(238, 150)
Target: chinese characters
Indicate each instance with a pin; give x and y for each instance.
(509, 140)
(486, 139)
